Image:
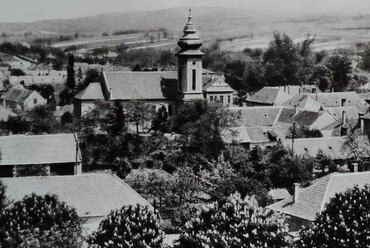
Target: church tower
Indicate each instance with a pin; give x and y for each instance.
(190, 63)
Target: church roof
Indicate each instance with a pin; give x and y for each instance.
(142, 85)
(215, 84)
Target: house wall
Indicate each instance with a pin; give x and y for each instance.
(35, 99)
(216, 97)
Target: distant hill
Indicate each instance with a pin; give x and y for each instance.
(211, 19)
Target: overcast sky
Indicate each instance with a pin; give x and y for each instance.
(31, 10)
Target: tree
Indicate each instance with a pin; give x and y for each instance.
(344, 222)
(321, 76)
(70, 83)
(160, 122)
(324, 163)
(139, 114)
(236, 223)
(2, 196)
(282, 61)
(365, 63)
(129, 227)
(40, 221)
(17, 72)
(340, 67)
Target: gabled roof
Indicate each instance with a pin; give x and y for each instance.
(312, 200)
(215, 84)
(279, 194)
(93, 195)
(331, 146)
(38, 149)
(257, 116)
(17, 95)
(92, 92)
(304, 102)
(142, 85)
(278, 95)
(334, 99)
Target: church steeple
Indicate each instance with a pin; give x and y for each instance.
(190, 63)
(190, 40)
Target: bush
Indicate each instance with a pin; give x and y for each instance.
(40, 221)
(133, 227)
(237, 223)
(345, 222)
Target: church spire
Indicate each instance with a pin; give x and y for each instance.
(190, 40)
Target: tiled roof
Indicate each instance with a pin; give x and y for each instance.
(92, 195)
(38, 149)
(92, 92)
(279, 194)
(304, 102)
(331, 146)
(334, 99)
(306, 118)
(312, 200)
(266, 95)
(17, 95)
(255, 135)
(257, 116)
(215, 84)
(142, 85)
(352, 112)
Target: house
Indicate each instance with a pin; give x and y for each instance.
(165, 88)
(93, 195)
(340, 99)
(59, 153)
(38, 79)
(85, 100)
(303, 102)
(22, 99)
(330, 146)
(278, 95)
(308, 202)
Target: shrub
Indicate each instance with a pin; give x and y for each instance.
(129, 227)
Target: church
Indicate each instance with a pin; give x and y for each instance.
(161, 88)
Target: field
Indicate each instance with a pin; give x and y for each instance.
(236, 29)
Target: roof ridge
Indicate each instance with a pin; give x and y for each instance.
(129, 187)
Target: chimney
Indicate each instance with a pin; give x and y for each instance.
(284, 88)
(332, 90)
(288, 89)
(296, 192)
(355, 167)
(295, 108)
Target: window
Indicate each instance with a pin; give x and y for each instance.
(222, 98)
(194, 83)
(34, 100)
(228, 99)
(211, 98)
(343, 101)
(180, 78)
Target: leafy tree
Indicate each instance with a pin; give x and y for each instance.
(282, 61)
(2, 196)
(321, 76)
(365, 63)
(160, 122)
(344, 222)
(17, 72)
(67, 118)
(42, 120)
(324, 163)
(40, 221)
(17, 125)
(129, 227)
(340, 67)
(236, 223)
(70, 83)
(138, 113)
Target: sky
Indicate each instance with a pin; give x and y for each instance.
(31, 10)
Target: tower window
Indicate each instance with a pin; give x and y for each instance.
(194, 83)
(228, 99)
